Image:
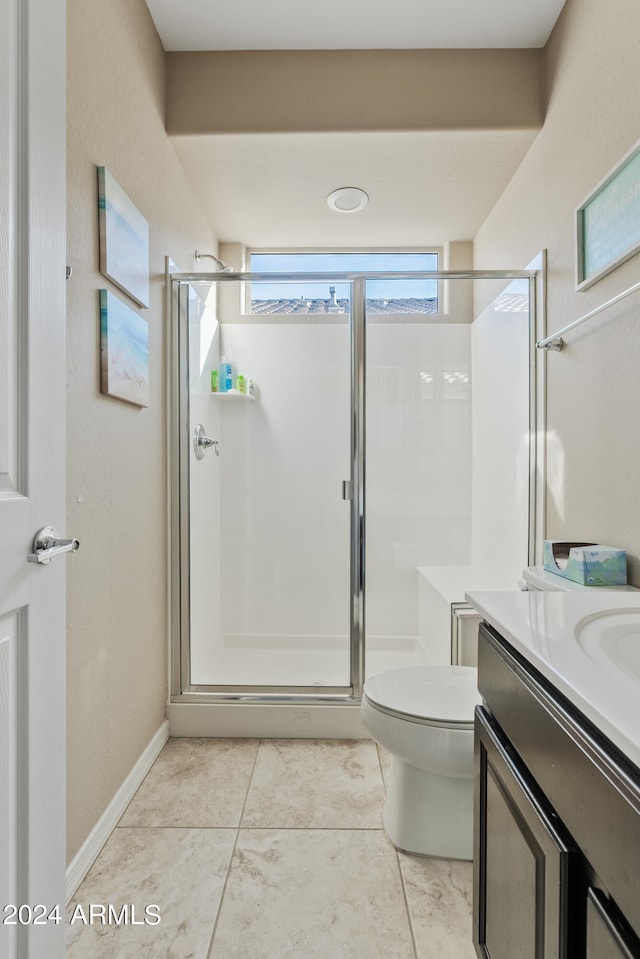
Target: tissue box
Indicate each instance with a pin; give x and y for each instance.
(589, 564)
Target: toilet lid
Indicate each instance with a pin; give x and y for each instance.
(439, 694)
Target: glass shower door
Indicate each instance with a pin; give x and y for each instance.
(448, 474)
(268, 528)
(273, 549)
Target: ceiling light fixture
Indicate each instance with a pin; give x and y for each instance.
(348, 199)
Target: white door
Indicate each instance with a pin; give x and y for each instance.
(32, 467)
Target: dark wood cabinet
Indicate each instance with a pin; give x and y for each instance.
(607, 934)
(522, 859)
(557, 823)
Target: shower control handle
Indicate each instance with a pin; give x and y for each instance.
(201, 442)
(205, 442)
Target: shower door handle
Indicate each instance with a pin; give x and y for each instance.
(347, 489)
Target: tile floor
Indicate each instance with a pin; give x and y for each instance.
(267, 849)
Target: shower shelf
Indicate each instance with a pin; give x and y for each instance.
(234, 395)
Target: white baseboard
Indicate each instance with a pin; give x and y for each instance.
(88, 852)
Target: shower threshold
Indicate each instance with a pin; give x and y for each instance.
(300, 718)
(284, 712)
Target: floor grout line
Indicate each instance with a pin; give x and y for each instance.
(414, 942)
(233, 852)
(381, 768)
(270, 828)
(406, 906)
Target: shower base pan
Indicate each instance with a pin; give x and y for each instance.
(336, 718)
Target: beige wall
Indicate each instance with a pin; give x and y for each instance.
(279, 91)
(117, 662)
(592, 78)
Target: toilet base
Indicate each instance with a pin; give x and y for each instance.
(427, 814)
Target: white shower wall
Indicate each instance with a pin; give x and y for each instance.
(500, 477)
(418, 481)
(269, 527)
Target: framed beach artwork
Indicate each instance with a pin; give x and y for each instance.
(608, 222)
(124, 240)
(124, 351)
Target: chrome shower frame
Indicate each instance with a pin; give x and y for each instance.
(181, 689)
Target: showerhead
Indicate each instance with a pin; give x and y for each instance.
(222, 267)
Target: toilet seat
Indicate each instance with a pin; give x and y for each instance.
(443, 696)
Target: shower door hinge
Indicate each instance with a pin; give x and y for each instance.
(347, 489)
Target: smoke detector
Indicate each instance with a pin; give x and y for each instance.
(348, 199)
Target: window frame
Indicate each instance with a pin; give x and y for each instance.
(437, 251)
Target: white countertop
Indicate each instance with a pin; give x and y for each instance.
(542, 627)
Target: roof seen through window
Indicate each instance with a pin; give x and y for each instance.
(384, 295)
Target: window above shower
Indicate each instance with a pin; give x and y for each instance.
(330, 297)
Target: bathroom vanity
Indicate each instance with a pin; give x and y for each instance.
(557, 800)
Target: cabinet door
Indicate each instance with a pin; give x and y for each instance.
(607, 935)
(522, 859)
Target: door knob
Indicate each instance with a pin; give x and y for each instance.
(47, 545)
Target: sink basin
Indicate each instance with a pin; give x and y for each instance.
(611, 638)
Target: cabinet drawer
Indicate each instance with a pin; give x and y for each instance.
(523, 859)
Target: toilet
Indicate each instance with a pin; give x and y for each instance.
(423, 716)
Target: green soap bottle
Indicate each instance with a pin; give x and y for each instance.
(214, 381)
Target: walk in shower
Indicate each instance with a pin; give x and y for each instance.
(369, 436)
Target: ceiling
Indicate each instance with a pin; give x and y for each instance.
(352, 24)
(425, 188)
